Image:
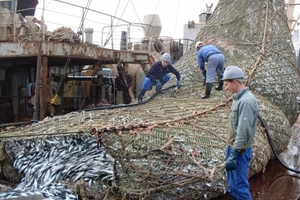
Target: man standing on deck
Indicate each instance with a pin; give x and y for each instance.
(241, 131)
(159, 75)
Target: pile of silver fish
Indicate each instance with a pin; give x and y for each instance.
(48, 162)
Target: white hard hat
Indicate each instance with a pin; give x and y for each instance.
(233, 72)
(199, 44)
(166, 57)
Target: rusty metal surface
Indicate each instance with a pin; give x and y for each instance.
(60, 49)
(42, 54)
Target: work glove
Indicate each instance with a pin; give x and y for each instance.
(202, 68)
(158, 86)
(178, 84)
(231, 161)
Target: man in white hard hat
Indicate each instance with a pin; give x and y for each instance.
(240, 136)
(159, 75)
(215, 63)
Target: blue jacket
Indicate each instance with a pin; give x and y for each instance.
(157, 71)
(204, 53)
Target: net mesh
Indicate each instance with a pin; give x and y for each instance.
(178, 148)
(170, 147)
(255, 36)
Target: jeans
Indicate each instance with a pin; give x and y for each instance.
(147, 84)
(238, 185)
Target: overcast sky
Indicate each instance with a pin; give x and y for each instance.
(173, 14)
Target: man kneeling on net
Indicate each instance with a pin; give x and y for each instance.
(159, 75)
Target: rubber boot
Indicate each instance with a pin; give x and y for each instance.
(141, 95)
(220, 86)
(221, 82)
(207, 91)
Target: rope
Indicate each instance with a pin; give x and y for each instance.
(84, 17)
(2, 152)
(176, 18)
(262, 51)
(112, 31)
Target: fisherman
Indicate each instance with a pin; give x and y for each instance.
(159, 75)
(215, 62)
(241, 132)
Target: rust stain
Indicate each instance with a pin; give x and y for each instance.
(61, 49)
